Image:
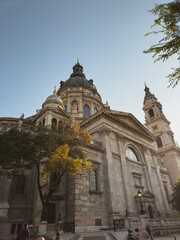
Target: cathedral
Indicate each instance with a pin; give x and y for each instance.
(134, 166)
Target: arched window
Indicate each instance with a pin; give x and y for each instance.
(95, 110)
(20, 184)
(54, 122)
(130, 154)
(159, 142)
(151, 113)
(65, 109)
(94, 181)
(86, 111)
(43, 122)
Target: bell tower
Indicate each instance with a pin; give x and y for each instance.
(168, 154)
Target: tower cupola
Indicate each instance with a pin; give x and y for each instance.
(152, 108)
(159, 126)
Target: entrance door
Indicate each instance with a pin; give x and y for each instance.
(51, 213)
(150, 211)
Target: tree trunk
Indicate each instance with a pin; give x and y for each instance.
(44, 211)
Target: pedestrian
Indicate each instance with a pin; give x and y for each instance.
(136, 233)
(25, 233)
(148, 229)
(144, 235)
(130, 235)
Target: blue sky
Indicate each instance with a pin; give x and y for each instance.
(41, 40)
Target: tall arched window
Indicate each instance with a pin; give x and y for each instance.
(151, 113)
(130, 154)
(20, 184)
(86, 111)
(159, 142)
(65, 109)
(54, 122)
(43, 122)
(94, 181)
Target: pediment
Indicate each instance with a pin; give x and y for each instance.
(59, 113)
(147, 194)
(122, 118)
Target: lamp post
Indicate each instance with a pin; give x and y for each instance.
(142, 211)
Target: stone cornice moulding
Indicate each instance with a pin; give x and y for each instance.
(96, 148)
(171, 148)
(95, 162)
(137, 163)
(136, 174)
(117, 155)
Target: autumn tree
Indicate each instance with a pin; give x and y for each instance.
(167, 21)
(175, 201)
(51, 152)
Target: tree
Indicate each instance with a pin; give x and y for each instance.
(168, 18)
(175, 201)
(51, 152)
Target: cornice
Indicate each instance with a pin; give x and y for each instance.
(94, 147)
(8, 119)
(152, 120)
(76, 89)
(172, 148)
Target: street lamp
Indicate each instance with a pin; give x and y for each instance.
(142, 211)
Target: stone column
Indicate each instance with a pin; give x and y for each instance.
(92, 108)
(69, 104)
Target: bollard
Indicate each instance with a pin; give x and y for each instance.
(58, 235)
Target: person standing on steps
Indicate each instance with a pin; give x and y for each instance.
(148, 229)
(25, 234)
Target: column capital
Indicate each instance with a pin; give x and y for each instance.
(104, 130)
(120, 137)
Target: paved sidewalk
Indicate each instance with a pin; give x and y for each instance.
(171, 237)
(121, 236)
(104, 235)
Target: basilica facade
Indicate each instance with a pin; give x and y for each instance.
(128, 158)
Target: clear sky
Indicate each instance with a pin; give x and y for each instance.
(40, 41)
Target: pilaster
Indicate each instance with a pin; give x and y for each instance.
(104, 132)
(127, 193)
(162, 191)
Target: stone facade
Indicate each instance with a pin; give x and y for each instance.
(127, 158)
